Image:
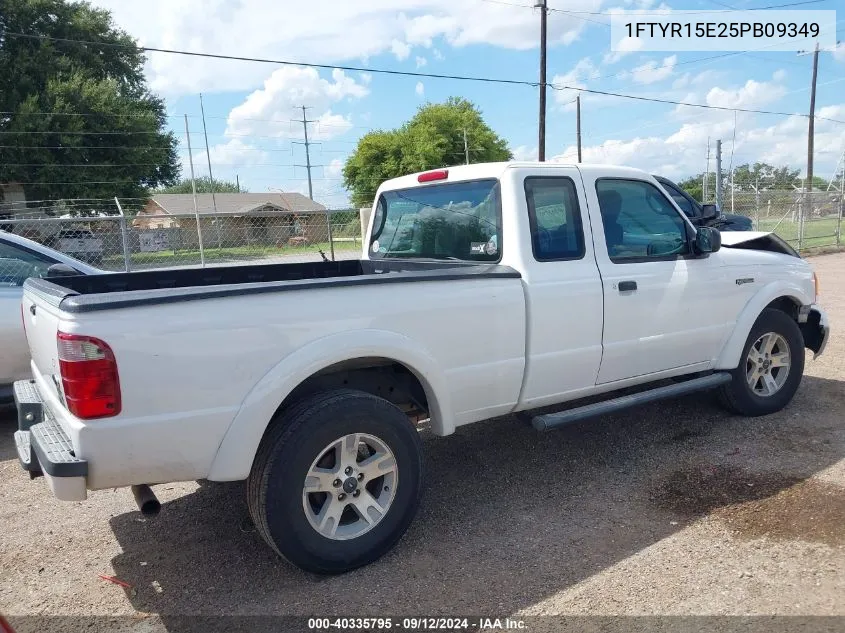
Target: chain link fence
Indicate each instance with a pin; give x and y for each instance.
(125, 236)
(806, 220)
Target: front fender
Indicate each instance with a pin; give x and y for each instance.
(234, 457)
(732, 350)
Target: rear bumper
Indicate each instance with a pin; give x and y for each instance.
(44, 448)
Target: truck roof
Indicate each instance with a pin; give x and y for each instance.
(495, 170)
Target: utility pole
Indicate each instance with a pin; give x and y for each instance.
(216, 220)
(466, 147)
(308, 166)
(194, 188)
(578, 123)
(812, 124)
(238, 182)
(308, 145)
(541, 144)
(705, 189)
(719, 173)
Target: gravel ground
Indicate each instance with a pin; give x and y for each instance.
(676, 508)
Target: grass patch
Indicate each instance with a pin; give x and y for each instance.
(818, 232)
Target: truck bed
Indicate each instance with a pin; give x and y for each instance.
(88, 293)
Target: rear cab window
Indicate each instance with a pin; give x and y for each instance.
(448, 221)
(554, 218)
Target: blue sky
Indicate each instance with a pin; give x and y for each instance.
(250, 107)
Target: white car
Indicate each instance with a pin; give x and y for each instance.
(79, 243)
(21, 258)
(483, 290)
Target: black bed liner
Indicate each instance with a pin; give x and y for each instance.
(109, 291)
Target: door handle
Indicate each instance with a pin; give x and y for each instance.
(625, 286)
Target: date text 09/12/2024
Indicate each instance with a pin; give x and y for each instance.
(415, 624)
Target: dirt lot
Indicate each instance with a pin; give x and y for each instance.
(673, 509)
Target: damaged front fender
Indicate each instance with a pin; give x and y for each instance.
(816, 330)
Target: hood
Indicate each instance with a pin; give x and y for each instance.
(757, 240)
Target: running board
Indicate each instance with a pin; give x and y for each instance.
(551, 421)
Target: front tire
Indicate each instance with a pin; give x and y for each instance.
(770, 368)
(337, 480)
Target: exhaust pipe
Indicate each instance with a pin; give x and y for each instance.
(146, 499)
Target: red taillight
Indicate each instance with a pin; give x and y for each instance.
(89, 376)
(440, 174)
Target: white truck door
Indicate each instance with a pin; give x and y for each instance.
(562, 286)
(662, 304)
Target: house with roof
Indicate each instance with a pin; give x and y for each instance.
(235, 219)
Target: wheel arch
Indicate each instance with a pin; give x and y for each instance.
(781, 296)
(360, 360)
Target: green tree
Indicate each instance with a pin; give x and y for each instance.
(203, 186)
(693, 186)
(77, 118)
(433, 138)
(747, 177)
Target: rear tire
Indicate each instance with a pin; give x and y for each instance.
(299, 508)
(770, 367)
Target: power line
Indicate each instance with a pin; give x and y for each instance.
(63, 132)
(645, 12)
(85, 146)
(281, 62)
(418, 74)
(687, 103)
(97, 165)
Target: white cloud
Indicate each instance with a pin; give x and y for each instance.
(318, 32)
(652, 72)
(574, 78)
(752, 95)
(420, 89)
(626, 46)
(234, 152)
(437, 54)
(269, 111)
(682, 153)
(525, 152)
(779, 74)
(334, 169)
(329, 125)
(400, 49)
(421, 61)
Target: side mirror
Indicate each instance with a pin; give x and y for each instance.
(61, 270)
(707, 240)
(709, 212)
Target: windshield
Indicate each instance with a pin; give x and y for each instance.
(459, 220)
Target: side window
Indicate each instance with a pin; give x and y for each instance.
(680, 200)
(555, 218)
(17, 264)
(639, 222)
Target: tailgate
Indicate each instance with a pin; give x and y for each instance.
(41, 316)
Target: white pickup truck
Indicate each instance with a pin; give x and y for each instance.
(483, 290)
